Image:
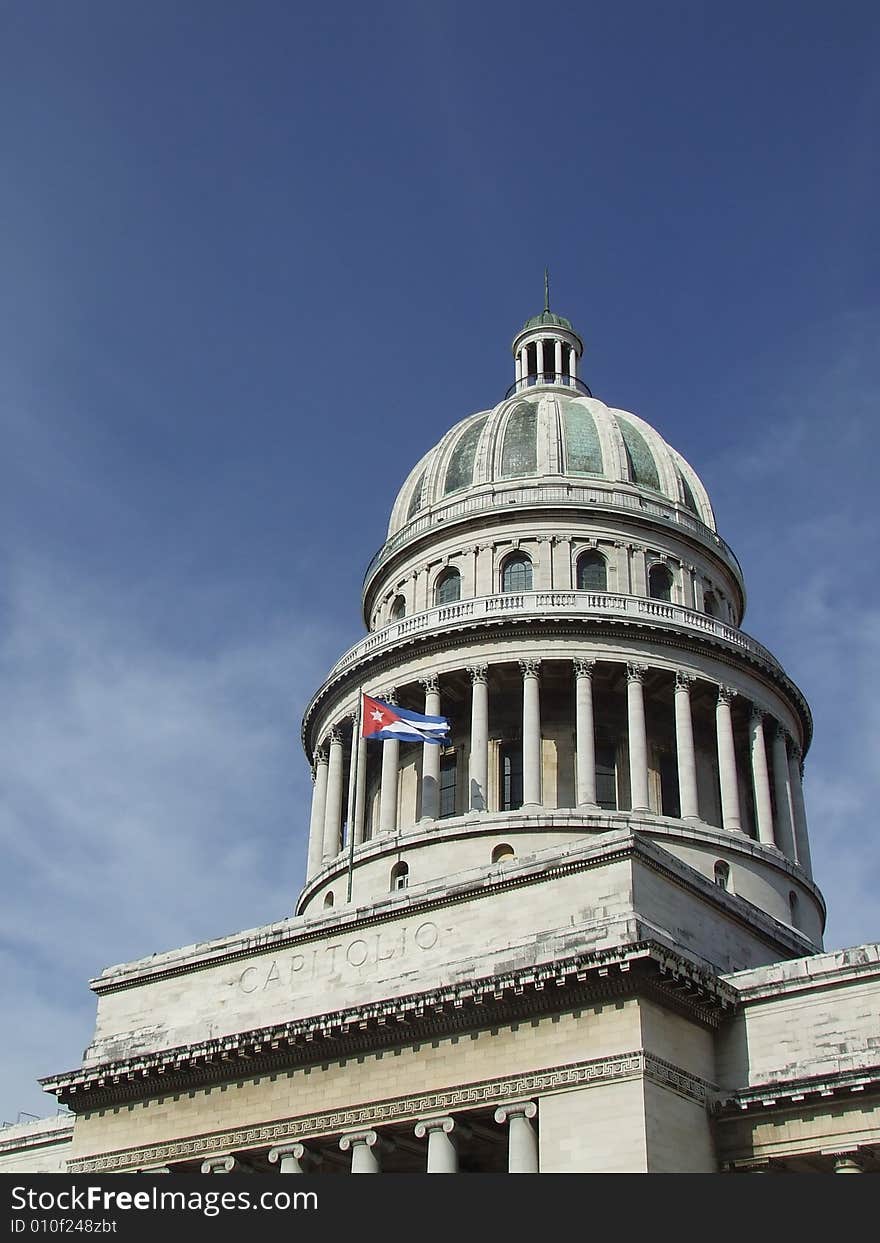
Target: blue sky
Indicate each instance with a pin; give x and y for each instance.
(256, 259)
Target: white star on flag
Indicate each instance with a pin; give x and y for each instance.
(377, 715)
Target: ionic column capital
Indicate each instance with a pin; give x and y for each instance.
(368, 1138)
(636, 673)
(683, 680)
(516, 1109)
(726, 695)
(847, 1163)
(430, 685)
(220, 1165)
(479, 673)
(425, 1125)
(584, 668)
(530, 668)
(297, 1153)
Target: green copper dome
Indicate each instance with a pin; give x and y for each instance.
(548, 318)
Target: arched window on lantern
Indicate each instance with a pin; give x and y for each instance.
(592, 572)
(400, 875)
(660, 582)
(447, 589)
(516, 572)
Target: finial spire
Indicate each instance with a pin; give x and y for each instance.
(546, 289)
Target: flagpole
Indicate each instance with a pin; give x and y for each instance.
(352, 784)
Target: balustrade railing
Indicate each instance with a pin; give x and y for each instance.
(585, 604)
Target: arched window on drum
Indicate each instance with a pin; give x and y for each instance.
(398, 608)
(447, 589)
(516, 573)
(660, 582)
(592, 572)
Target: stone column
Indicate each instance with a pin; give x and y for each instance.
(796, 785)
(293, 1158)
(518, 369)
(761, 778)
(638, 738)
(531, 733)
(573, 363)
(727, 760)
(431, 755)
(638, 571)
(585, 744)
(221, 1165)
(316, 822)
(442, 1153)
(784, 818)
(478, 777)
(388, 789)
(364, 1160)
(522, 1142)
(624, 578)
(333, 809)
(684, 748)
(539, 354)
(557, 366)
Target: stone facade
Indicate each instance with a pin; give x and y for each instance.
(582, 935)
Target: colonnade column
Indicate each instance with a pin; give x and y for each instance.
(638, 739)
(531, 733)
(801, 837)
(539, 352)
(293, 1158)
(364, 1160)
(431, 755)
(522, 1142)
(761, 778)
(360, 791)
(557, 367)
(730, 817)
(333, 808)
(784, 819)
(442, 1153)
(585, 733)
(316, 821)
(388, 789)
(478, 777)
(689, 804)
(518, 369)
(572, 363)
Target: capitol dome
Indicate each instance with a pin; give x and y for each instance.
(552, 434)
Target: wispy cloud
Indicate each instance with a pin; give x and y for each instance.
(151, 798)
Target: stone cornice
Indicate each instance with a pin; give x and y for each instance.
(800, 1093)
(645, 968)
(638, 1063)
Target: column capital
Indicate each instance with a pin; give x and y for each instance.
(726, 695)
(796, 754)
(516, 1109)
(847, 1163)
(287, 1150)
(782, 732)
(635, 673)
(479, 673)
(439, 1123)
(220, 1165)
(430, 685)
(334, 734)
(584, 668)
(390, 696)
(369, 1138)
(321, 756)
(684, 680)
(530, 668)
(757, 714)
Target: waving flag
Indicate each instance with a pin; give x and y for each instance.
(383, 720)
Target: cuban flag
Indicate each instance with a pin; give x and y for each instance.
(382, 720)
